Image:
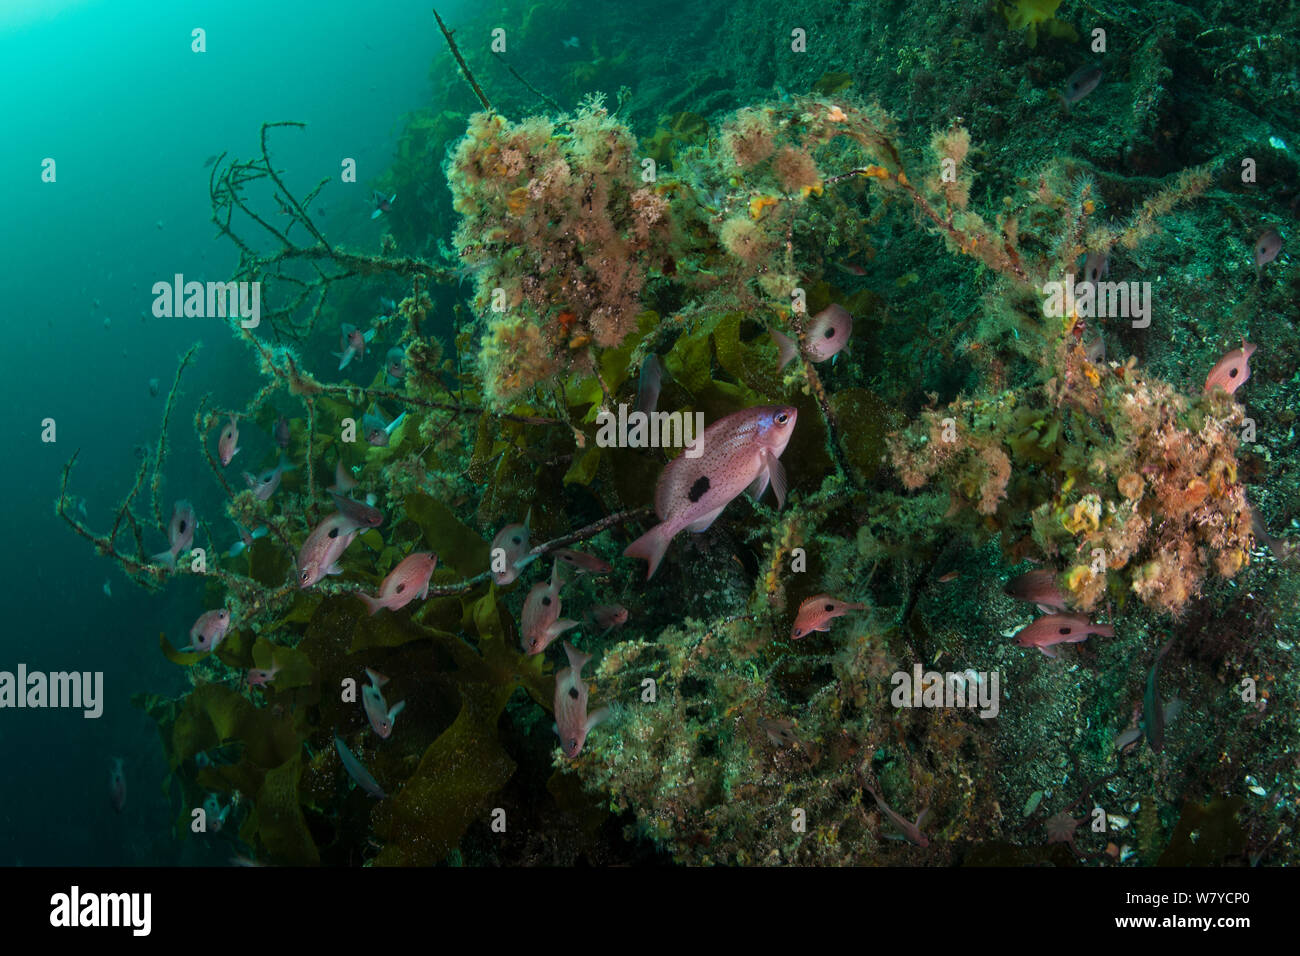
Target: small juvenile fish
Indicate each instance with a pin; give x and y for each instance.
(372, 698)
(117, 785)
(572, 722)
(357, 771)
(539, 618)
(281, 432)
(1038, 587)
(512, 542)
(153, 387)
(245, 541)
(1046, 632)
(1081, 82)
(265, 484)
(343, 480)
(570, 44)
(377, 430)
(209, 629)
(180, 532)
(321, 551)
(740, 450)
(108, 588)
(406, 582)
(260, 677)
(649, 384)
(1267, 247)
(382, 205)
(394, 365)
(353, 343)
(1231, 371)
(583, 562)
(364, 515)
(216, 813)
(827, 333)
(228, 443)
(607, 617)
(817, 612)
(910, 830)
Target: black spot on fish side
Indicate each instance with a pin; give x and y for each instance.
(401, 588)
(829, 333)
(830, 607)
(546, 602)
(1065, 630)
(573, 693)
(516, 540)
(699, 489)
(1232, 373)
(334, 532)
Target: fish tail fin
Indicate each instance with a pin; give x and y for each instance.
(650, 547)
(396, 709)
(167, 558)
(1103, 630)
(373, 603)
(376, 214)
(376, 678)
(786, 347)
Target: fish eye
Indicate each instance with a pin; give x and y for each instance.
(304, 575)
(782, 418)
(798, 631)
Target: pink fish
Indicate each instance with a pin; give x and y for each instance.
(539, 624)
(343, 480)
(377, 709)
(607, 617)
(508, 549)
(572, 722)
(910, 830)
(817, 612)
(228, 443)
(1038, 587)
(1046, 632)
(117, 786)
(1267, 247)
(1231, 371)
(209, 629)
(382, 205)
(364, 515)
(324, 546)
(739, 451)
(406, 582)
(180, 532)
(584, 563)
(265, 484)
(826, 334)
(353, 343)
(260, 677)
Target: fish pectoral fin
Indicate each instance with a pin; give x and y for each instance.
(758, 485)
(776, 471)
(702, 523)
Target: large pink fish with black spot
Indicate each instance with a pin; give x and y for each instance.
(540, 621)
(180, 533)
(1046, 632)
(406, 582)
(321, 551)
(826, 334)
(739, 451)
(572, 722)
(1231, 371)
